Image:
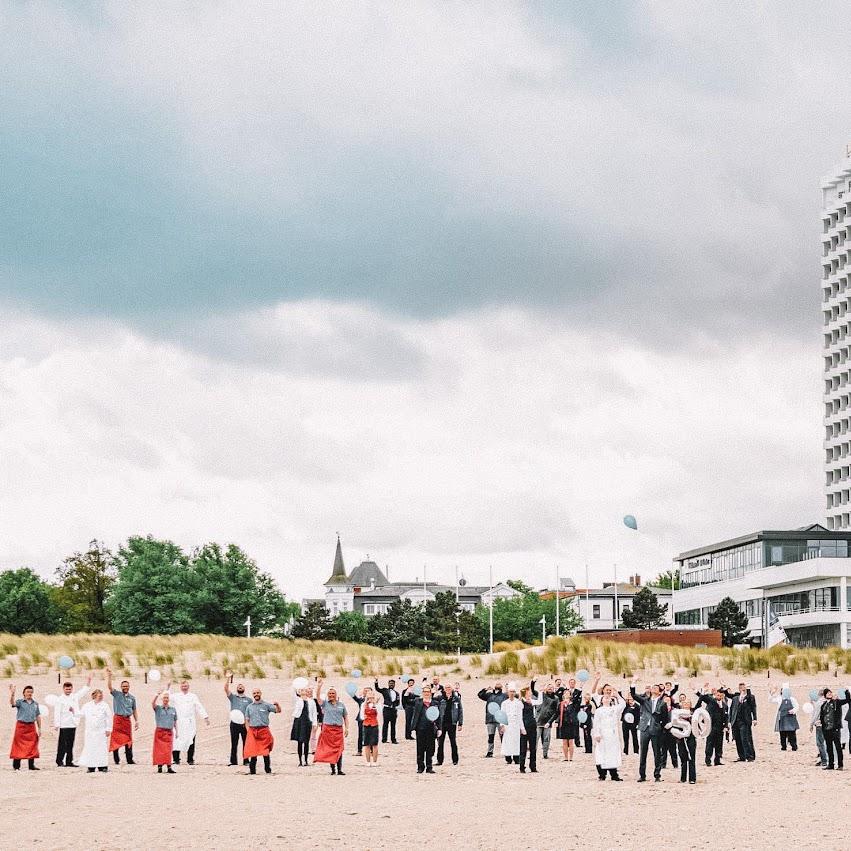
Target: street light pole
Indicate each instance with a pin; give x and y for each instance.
(558, 603)
(490, 610)
(543, 630)
(616, 597)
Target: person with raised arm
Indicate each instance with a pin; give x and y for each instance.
(496, 695)
(99, 719)
(27, 728)
(786, 721)
(830, 717)
(654, 716)
(409, 698)
(123, 709)
(335, 728)
(715, 704)
(238, 731)
(305, 718)
(259, 741)
(370, 715)
(629, 724)
(66, 717)
(186, 704)
(686, 745)
(546, 715)
(529, 700)
(165, 729)
(742, 721)
(567, 725)
(392, 700)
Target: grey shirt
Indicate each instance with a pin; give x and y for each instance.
(27, 710)
(123, 704)
(257, 714)
(166, 717)
(239, 701)
(333, 713)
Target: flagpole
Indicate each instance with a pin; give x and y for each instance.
(490, 609)
(558, 603)
(616, 596)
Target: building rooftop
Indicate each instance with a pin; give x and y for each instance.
(802, 533)
(338, 572)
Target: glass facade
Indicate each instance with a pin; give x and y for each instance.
(738, 561)
(825, 635)
(691, 617)
(817, 600)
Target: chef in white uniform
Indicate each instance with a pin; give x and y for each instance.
(188, 707)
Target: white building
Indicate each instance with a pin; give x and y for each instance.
(793, 585)
(596, 606)
(836, 313)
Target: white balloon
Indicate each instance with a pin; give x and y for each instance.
(628, 717)
(51, 699)
(237, 717)
(808, 708)
(299, 683)
(681, 727)
(154, 676)
(701, 723)
(44, 710)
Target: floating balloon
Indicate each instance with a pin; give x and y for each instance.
(51, 699)
(582, 675)
(237, 717)
(418, 690)
(432, 713)
(813, 694)
(154, 676)
(840, 693)
(628, 717)
(356, 674)
(787, 692)
(493, 707)
(582, 716)
(701, 723)
(299, 683)
(66, 662)
(351, 689)
(43, 710)
(501, 718)
(808, 708)
(630, 522)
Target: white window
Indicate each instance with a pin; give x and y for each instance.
(369, 609)
(595, 611)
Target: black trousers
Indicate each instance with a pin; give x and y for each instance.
(649, 740)
(630, 732)
(128, 754)
(833, 742)
(715, 746)
(190, 754)
(237, 732)
(669, 749)
(743, 736)
(360, 736)
(789, 737)
(425, 748)
(389, 725)
(267, 764)
(65, 748)
(687, 749)
(529, 744)
(409, 714)
(450, 733)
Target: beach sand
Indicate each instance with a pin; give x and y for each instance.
(781, 800)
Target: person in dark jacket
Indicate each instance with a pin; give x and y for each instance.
(587, 706)
(654, 717)
(425, 730)
(392, 700)
(495, 694)
(742, 721)
(830, 716)
(629, 728)
(567, 725)
(545, 714)
(450, 723)
(529, 731)
(715, 704)
(408, 701)
(668, 742)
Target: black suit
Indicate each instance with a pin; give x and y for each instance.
(426, 731)
(391, 707)
(742, 717)
(650, 726)
(408, 701)
(715, 739)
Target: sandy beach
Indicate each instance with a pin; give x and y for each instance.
(481, 803)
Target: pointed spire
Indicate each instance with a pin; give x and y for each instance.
(338, 574)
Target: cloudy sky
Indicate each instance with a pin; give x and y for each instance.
(464, 282)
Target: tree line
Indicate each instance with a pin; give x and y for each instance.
(147, 586)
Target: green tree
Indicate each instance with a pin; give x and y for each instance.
(403, 626)
(155, 591)
(231, 588)
(519, 618)
(84, 583)
(670, 579)
(731, 620)
(646, 612)
(26, 604)
(313, 623)
(350, 626)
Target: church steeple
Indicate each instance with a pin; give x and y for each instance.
(338, 574)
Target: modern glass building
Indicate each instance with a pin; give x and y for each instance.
(793, 585)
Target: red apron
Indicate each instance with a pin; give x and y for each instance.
(258, 742)
(122, 732)
(163, 740)
(24, 741)
(330, 746)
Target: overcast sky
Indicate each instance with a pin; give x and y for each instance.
(464, 282)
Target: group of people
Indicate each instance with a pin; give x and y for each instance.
(601, 720)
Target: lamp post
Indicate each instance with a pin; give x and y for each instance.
(490, 609)
(558, 603)
(543, 630)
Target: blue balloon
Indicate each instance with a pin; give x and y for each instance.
(813, 694)
(351, 689)
(356, 674)
(582, 675)
(432, 713)
(631, 522)
(840, 693)
(500, 717)
(418, 690)
(66, 662)
(493, 707)
(787, 692)
(582, 716)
